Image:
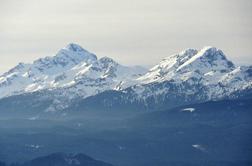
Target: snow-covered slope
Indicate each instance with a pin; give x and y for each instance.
(165, 70)
(73, 70)
(74, 75)
(207, 68)
(209, 63)
(191, 76)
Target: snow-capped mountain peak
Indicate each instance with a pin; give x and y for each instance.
(189, 63)
(75, 53)
(65, 59)
(208, 57)
(73, 68)
(75, 48)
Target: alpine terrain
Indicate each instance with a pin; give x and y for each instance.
(193, 108)
(75, 79)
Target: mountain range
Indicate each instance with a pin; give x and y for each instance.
(75, 79)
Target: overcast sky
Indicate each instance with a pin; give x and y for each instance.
(130, 31)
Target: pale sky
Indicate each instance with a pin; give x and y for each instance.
(130, 31)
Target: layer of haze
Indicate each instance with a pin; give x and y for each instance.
(130, 31)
